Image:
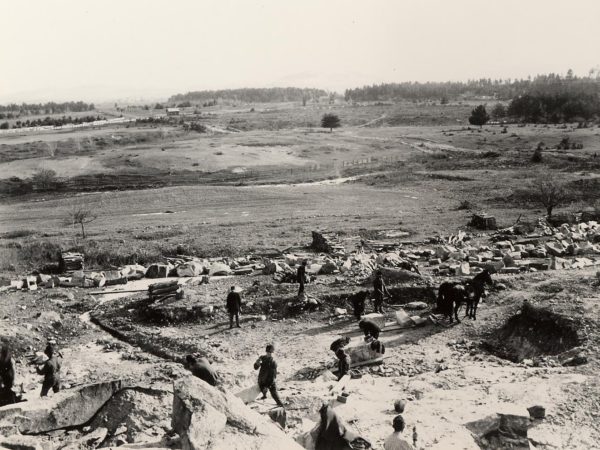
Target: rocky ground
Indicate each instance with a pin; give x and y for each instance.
(447, 374)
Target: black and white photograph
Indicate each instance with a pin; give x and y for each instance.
(300, 224)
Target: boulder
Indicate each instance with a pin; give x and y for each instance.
(537, 412)
(134, 271)
(505, 429)
(271, 267)
(159, 271)
(219, 269)
(555, 248)
(291, 260)
(403, 319)
(190, 269)
(443, 251)
(328, 267)
(560, 263)
(379, 319)
(346, 266)
(416, 305)
(361, 353)
(205, 417)
(65, 409)
(463, 269)
(394, 275)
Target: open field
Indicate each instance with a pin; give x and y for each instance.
(263, 180)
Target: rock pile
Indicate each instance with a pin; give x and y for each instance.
(205, 417)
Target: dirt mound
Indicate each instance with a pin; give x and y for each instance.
(533, 332)
(132, 415)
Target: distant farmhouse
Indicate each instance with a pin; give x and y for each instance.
(172, 111)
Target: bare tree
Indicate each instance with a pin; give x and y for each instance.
(550, 193)
(44, 179)
(82, 217)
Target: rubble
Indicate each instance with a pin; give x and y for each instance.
(326, 242)
(205, 417)
(70, 261)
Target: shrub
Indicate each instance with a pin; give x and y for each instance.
(537, 155)
(466, 204)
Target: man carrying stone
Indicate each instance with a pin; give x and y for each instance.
(343, 362)
(51, 371)
(370, 328)
(267, 374)
(234, 305)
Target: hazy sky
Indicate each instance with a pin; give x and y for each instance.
(107, 49)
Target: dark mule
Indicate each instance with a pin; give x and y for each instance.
(476, 290)
(451, 296)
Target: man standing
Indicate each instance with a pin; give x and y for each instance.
(267, 374)
(234, 305)
(202, 369)
(380, 291)
(300, 276)
(51, 371)
(343, 362)
(358, 304)
(394, 440)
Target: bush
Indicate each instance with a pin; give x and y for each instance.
(490, 154)
(479, 116)
(537, 155)
(466, 205)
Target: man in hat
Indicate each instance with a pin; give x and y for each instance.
(234, 305)
(301, 276)
(51, 371)
(380, 291)
(267, 374)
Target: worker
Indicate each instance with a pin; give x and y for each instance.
(358, 304)
(394, 440)
(343, 362)
(51, 371)
(268, 374)
(339, 343)
(202, 369)
(7, 376)
(380, 291)
(7, 368)
(370, 328)
(301, 277)
(234, 306)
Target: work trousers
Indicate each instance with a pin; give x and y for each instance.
(233, 314)
(272, 388)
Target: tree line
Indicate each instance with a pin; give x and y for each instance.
(50, 121)
(251, 95)
(14, 110)
(550, 84)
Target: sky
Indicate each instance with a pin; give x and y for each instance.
(105, 50)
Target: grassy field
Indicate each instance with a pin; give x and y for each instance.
(157, 188)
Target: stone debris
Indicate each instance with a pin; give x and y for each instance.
(326, 242)
(204, 417)
(70, 261)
